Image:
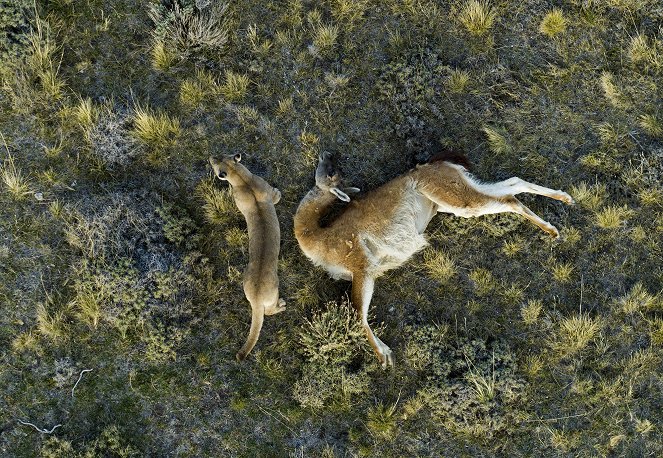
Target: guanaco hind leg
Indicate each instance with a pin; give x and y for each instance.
(516, 206)
(516, 185)
(362, 292)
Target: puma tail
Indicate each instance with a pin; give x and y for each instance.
(257, 317)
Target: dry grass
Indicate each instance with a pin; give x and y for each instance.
(235, 86)
(553, 23)
(162, 57)
(477, 17)
(440, 266)
(611, 91)
(157, 130)
(577, 332)
(612, 216)
(496, 141)
(458, 80)
(530, 312)
(324, 38)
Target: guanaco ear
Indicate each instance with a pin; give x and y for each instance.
(238, 157)
(340, 194)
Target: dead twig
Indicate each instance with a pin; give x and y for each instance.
(79, 379)
(44, 431)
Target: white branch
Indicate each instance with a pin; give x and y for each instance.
(45, 431)
(79, 379)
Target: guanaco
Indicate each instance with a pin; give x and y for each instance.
(255, 199)
(382, 229)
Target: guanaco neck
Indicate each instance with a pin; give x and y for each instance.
(311, 209)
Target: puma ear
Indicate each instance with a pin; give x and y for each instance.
(351, 190)
(238, 157)
(340, 194)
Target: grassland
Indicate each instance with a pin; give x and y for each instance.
(120, 254)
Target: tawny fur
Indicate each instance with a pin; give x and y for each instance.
(255, 199)
(384, 228)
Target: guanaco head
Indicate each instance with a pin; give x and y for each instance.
(327, 178)
(225, 167)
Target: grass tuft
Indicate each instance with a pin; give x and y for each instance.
(50, 326)
(477, 17)
(235, 86)
(496, 141)
(642, 53)
(562, 272)
(13, 179)
(651, 124)
(577, 331)
(458, 80)
(590, 197)
(530, 312)
(162, 56)
(637, 299)
(219, 207)
(440, 265)
(553, 23)
(612, 93)
(382, 421)
(324, 39)
(612, 216)
(483, 281)
(156, 130)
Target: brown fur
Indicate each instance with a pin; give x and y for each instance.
(382, 229)
(255, 199)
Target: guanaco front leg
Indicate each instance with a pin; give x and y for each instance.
(362, 292)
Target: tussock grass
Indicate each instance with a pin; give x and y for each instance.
(258, 46)
(219, 207)
(483, 281)
(235, 86)
(512, 247)
(577, 332)
(611, 91)
(162, 57)
(440, 265)
(562, 272)
(285, 106)
(530, 312)
(483, 387)
(636, 300)
(612, 216)
(189, 29)
(458, 80)
(645, 52)
(496, 140)
(591, 197)
(50, 325)
(85, 114)
(88, 308)
(12, 177)
(651, 124)
(324, 39)
(651, 197)
(157, 130)
(553, 23)
(194, 91)
(381, 421)
(477, 17)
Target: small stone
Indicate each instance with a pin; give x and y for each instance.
(39, 196)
